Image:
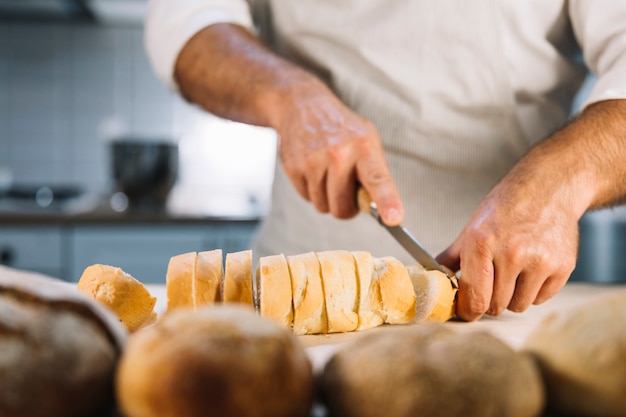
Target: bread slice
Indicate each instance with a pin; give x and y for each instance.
(208, 277)
(370, 302)
(436, 298)
(340, 290)
(396, 290)
(179, 280)
(309, 307)
(238, 278)
(274, 290)
(128, 298)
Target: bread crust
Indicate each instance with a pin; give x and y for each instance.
(370, 301)
(238, 278)
(340, 290)
(219, 361)
(179, 280)
(396, 290)
(309, 305)
(128, 298)
(274, 289)
(208, 277)
(436, 298)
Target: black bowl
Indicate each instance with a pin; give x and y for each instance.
(145, 171)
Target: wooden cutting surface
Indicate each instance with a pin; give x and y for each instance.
(513, 328)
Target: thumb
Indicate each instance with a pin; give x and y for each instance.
(451, 257)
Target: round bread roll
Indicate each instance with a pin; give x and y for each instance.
(216, 361)
(58, 349)
(582, 355)
(429, 370)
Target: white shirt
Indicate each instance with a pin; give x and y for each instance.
(458, 90)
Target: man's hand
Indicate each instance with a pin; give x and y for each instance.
(324, 146)
(518, 249)
(520, 245)
(325, 149)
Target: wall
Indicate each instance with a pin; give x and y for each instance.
(66, 89)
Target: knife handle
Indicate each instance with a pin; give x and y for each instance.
(364, 200)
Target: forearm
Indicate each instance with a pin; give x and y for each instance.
(584, 163)
(229, 72)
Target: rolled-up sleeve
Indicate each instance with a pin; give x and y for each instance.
(600, 28)
(170, 24)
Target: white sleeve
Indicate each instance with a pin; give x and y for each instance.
(600, 28)
(170, 24)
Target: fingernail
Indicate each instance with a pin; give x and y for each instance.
(392, 216)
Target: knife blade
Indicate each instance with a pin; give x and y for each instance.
(404, 238)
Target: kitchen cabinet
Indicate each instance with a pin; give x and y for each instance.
(144, 250)
(34, 248)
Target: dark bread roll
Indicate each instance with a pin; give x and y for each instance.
(58, 349)
(222, 360)
(429, 370)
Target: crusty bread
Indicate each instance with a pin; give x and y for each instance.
(59, 348)
(309, 307)
(340, 290)
(238, 278)
(430, 370)
(370, 302)
(581, 351)
(396, 290)
(128, 298)
(208, 277)
(436, 298)
(179, 280)
(274, 289)
(219, 361)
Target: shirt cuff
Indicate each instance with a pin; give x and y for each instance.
(171, 24)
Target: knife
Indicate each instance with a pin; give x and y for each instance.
(404, 238)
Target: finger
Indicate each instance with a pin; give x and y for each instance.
(299, 183)
(316, 189)
(476, 285)
(550, 288)
(504, 283)
(341, 189)
(526, 290)
(374, 175)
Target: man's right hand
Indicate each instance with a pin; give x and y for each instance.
(324, 147)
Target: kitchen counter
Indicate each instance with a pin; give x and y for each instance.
(512, 328)
(98, 210)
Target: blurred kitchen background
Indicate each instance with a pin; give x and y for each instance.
(74, 77)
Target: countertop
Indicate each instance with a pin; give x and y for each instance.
(512, 328)
(99, 210)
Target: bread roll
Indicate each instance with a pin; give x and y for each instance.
(428, 370)
(582, 355)
(340, 290)
(208, 278)
(128, 298)
(179, 280)
(238, 278)
(309, 307)
(222, 361)
(396, 290)
(58, 349)
(370, 301)
(274, 290)
(436, 298)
